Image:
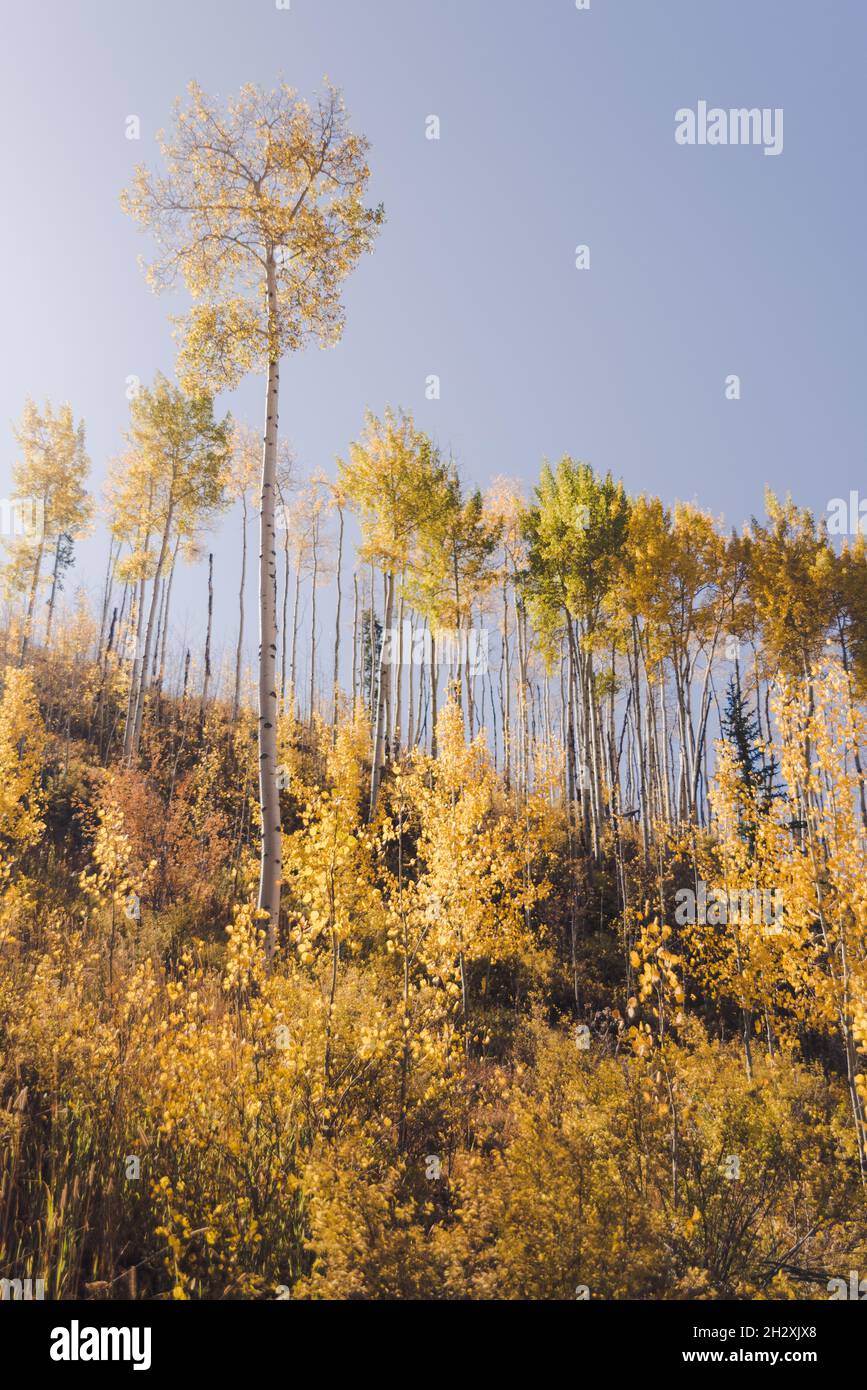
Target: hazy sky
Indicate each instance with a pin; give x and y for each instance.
(557, 129)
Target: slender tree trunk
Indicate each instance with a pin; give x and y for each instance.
(271, 860)
(506, 678)
(236, 698)
(161, 609)
(53, 595)
(335, 679)
(857, 754)
(284, 616)
(433, 692)
(122, 631)
(106, 594)
(207, 681)
(166, 610)
(666, 779)
(410, 710)
(135, 676)
(420, 728)
(571, 778)
(371, 632)
(293, 671)
(459, 673)
(313, 583)
(521, 634)
(31, 602)
(354, 646)
(396, 729)
(382, 690)
(149, 632)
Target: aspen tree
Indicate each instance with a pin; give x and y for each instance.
(51, 505)
(243, 475)
(177, 459)
(467, 538)
(786, 558)
(576, 532)
(395, 481)
(507, 504)
(261, 213)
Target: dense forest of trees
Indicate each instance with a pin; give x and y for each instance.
(504, 933)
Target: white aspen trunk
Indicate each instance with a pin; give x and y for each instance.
(161, 608)
(271, 858)
(642, 781)
(471, 680)
(410, 713)
(433, 692)
(285, 606)
(354, 646)
(166, 609)
(546, 725)
(149, 633)
(106, 595)
(293, 671)
(666, 779)
(568, 680)
(382, 692)
(420, 730)
(122, 616)
(397, 727)
(703, 718)
(206, 684)
(592, 753)
(522, 697)
(458, 672)
(506, 699)
(313, 582)
(335, 678)
(31, 603)
(388, 670)
(236, 698)
(135, 677)
(53, 596)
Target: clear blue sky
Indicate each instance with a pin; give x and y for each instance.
(557, 129)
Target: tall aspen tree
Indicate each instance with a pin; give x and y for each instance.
(261, 214)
